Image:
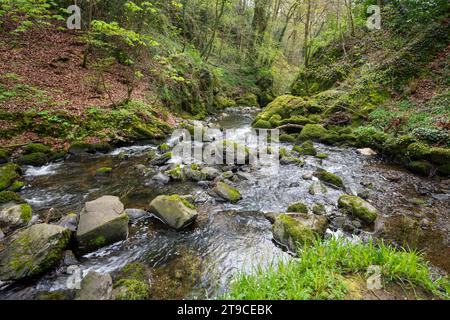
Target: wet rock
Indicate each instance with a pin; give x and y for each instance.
(69, 221)
(95, 286)
(135, 214)
(298, 208)
(393, 177)
(319, 209)
(161, 178)
(69, 258)
(2, 235)
(162, 159)
(329, 178)
(174, 210)
(13, 215)
(210, 173)
(32, 251)
(367, 152)
(358, 207)
(308, 176)
(343, 223)
(298, 229)
(317, 188)
(364, 194)
(176, 173)
(226, 192)
(244, 176)
(101, 222)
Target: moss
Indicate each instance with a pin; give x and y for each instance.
(102, 147)
(135, 270)
(396, 147)
(37, 148)
(424, 168)
(9, 196)
(27, 213)
(8, 174)
(322, 156)
(319, 209)
(308, 148)
(295, 230)
(248, 100)
(287, 138)
(329, 178)
(222, 102)
(315, 132)
(98, 241)
(444, 170)
(370, 137)
(53, 296)
(178, 198)
(4, 156)
(130, 289)
(300, 120)
(298, 207)
(418, 151)
(359, 208)
(275, 120)
(298, 149)
(233, 194)
(34, 159)
(164, 148)
(103, 171)
(17, 186)
(262, 124)
(440, 155)
(285, 106)
(176, 173)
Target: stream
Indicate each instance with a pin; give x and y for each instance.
(199, 262)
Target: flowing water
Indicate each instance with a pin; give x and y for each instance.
(226, 239)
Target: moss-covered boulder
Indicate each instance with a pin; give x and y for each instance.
(440, 156)
(9, 196)
(423, 167)
(329, 178)
(36, 148)
(162, 159)
(358, 208)
(308, 148)
(14, 215)
(101, 222)
(298, 208)
(223, 102)
(78, 148)
(8, 174)
(95, 286)
(176, 173)
(292, 230)
(226, 192)
(289, 138)
(248, 100)
(314, 132)
(36, 159)
(418, 151)
(262, 124)
(4, 156)
(32, 251)
(285, 106)
(174, 210)
(17, 186)
(319, 209)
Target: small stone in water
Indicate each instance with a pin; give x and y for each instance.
(367, 152)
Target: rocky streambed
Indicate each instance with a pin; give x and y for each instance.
(226, 224)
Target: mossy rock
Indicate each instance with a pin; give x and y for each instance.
(359, 208)
(397, 147)
(440, 155)
(275, 120)
(287, 138)
(176, 173)
(418, 151)
(33, 251)
(78, 148)
(285, 106)
(293, 230)
(300, 120)
(223, 102)
(176, 211)
(370, 137)
(262, 124)
(103, 171)
(4, 156)
(322, 156)
(308, 149)
(228, 193)
(36, 159)
(17, 186)
(8, 174)
(319, 209)
(423, 167)
(131, 290)
(164, 148)
(248, 100)
(315, 132)
(9, 196)
(298, 208)
(329, 178)
(36, 148)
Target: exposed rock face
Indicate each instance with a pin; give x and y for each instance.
(292, 230)
(359, 208)
(226, 192)
(174, 210)
(14, 215)
(32, 251)
(95, 286)
(101, 222)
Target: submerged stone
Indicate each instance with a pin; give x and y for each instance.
(95, 286)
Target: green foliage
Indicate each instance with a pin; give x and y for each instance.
(9, 196)
(319, 273)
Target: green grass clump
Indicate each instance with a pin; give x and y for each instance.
(319, 273)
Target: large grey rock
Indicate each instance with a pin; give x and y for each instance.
(13, 215)
(210, 173)
(226, 192)
(101, 222)
(95, 286)
(174, 210)
(32, 251)
(292, 230)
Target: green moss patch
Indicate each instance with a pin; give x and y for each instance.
(329, 178)
(298, 207)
